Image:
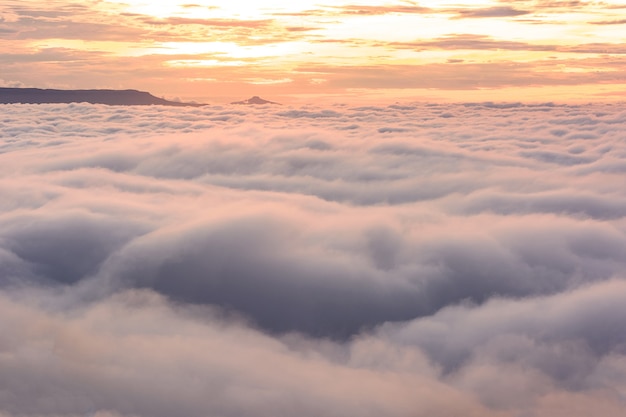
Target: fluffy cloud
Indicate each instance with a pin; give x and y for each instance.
(399, 260)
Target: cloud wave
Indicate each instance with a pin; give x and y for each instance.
(414, 259)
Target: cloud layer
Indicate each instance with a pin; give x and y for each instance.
(399, 260)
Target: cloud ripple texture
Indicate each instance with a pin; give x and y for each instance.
(407, 260)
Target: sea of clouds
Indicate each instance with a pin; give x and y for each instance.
(405, 260)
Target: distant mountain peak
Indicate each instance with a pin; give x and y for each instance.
(254, 100)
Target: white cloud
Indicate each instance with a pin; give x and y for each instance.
(461, 259)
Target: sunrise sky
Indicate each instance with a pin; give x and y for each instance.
(215, 51)
(432, 224)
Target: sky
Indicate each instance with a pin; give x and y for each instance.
(311, 51)
(413, 260)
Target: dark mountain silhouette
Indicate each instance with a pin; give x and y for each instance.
(254, 100)
(110, 97)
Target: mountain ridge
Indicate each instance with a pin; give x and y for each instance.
(95, 96)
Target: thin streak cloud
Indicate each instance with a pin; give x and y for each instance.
(279, 38)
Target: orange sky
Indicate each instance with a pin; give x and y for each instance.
(216, 51)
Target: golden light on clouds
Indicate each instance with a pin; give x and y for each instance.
(402, 48)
